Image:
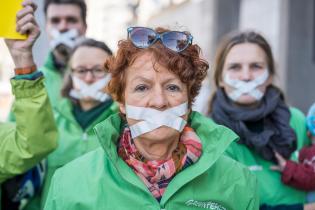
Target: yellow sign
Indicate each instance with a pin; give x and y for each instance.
(8, 10)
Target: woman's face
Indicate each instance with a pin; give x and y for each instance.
(153, 87)
(87, 64)
(245, 62)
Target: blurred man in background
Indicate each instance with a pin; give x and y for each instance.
(65, 24)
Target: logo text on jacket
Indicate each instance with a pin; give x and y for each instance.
(205, 204)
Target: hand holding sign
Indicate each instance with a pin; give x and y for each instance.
(21, 50)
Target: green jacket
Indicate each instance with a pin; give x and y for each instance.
(73, 143)
(53, 81)
(33, 136)
(272, 191)
(102, 180)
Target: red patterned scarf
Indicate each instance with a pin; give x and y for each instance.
(157, 174)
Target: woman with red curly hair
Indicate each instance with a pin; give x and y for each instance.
(156, 153)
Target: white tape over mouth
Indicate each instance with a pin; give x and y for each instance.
(93, 91)
(68, 38)
(152, 119)
(250, 87)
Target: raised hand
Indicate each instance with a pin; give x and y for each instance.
(21, 50)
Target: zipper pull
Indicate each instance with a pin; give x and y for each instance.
(85, 136)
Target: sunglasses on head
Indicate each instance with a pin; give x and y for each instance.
(143, 37)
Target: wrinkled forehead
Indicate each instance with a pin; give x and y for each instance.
(141, 59)
(148, 58)
(148, 66)
(146, 61)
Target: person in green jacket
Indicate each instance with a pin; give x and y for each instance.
(62, 17)
(84, 104)
(156, 153)
(34, 135)
(247, 102)
(65, 25)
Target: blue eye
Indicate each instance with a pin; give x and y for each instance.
(173, 88)
(141, 88)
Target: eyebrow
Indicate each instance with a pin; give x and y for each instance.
(61, 16)
(238, 63)
(147, 80)
(233, 63)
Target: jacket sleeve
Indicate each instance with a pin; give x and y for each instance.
(299, 176)
(33, 136)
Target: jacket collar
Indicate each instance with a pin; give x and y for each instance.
(65, 107)
(215, 140)
(49, 62)
(52, 65)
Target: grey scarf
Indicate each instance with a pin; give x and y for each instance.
(272, 115)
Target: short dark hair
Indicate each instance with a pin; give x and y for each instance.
(80, 3)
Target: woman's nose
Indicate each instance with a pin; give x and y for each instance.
(89, 77)
(158, 99)
(246, 74)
